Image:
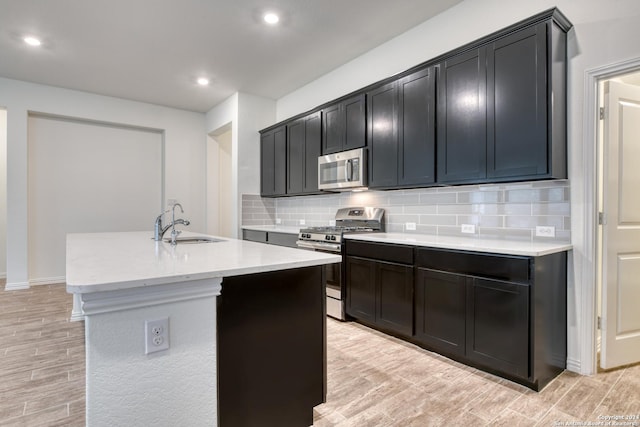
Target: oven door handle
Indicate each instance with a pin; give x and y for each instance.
(331, 247)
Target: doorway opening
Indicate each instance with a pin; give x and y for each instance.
(3, 193)
(617, 235)
(220, 202)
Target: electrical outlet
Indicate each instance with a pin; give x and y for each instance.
(468, 228)
(302, 222)
(278, 221)
(332, 223)
(410, 225)
(545, 231)
(156, 334)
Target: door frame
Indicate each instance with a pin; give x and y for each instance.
(587, 291)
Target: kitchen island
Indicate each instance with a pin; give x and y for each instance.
(246, 330)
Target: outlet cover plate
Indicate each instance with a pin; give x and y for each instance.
(468, 228)
(156, 335)
(545, 231)
(410, 226)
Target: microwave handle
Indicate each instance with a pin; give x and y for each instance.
(348, 165)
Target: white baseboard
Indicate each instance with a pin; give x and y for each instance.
(16, 286)
(574, 365)
(47, 281)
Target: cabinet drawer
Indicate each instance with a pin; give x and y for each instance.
(510, 268)
(254, 236)
(381, 251)
(282, 239)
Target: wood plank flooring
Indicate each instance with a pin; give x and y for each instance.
(373, 379)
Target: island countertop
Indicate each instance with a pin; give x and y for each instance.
(98, 262)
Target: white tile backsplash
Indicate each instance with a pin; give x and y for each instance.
(503, 211)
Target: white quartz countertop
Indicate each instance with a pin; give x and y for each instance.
(100, 262)
(273, 228)
(505, 247)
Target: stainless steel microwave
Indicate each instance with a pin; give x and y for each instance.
(342, 171)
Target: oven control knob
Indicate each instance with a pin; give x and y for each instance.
(327, 237)
(333, 237)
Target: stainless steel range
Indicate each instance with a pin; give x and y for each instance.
(330, 239)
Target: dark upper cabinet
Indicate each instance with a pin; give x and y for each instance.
(401, 132)
(517, 104)
(303, 150)
(416, 128)
(502, 109)
(462, 118)
(343, 126)
(273, 159)
(382, 135)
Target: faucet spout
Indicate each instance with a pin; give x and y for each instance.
(159, 229)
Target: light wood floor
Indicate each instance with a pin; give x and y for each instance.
(373, 380)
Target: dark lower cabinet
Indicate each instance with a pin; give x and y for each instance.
(504, 314)
(361, 288)
(498, 325)
(271, 349)
(380, 288)
(440, 309)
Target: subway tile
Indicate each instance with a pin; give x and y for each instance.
(551, 209)
(425, 229)
(567, 223)
(420, 209)
(437, 220)
(401, 219)
(455, 209)
(519, 234)
(514, 209)
(481, 220)
(403, 199)
(537, 195)
(481, 197)
(438, 198)
(522, 221)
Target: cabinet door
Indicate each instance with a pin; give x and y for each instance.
(313, 143)
(395, 297)
(440, 310)
(462, 118)
(295, 156)
(332, 130)
(355, 119)
(361, 289)
(343, 126)
(517, 104)
(382, 110)
(498, 325)
(267, 164)
(416, 128)
(280, 161)
(273, 166)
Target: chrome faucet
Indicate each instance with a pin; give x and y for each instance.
(159, 230)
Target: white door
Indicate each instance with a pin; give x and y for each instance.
(621, 233)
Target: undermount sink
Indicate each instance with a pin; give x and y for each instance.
(195, 239)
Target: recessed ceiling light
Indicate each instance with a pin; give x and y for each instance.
(203, 81)
(32, 41)
(271, 18)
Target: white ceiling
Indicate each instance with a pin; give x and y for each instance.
(153, 50)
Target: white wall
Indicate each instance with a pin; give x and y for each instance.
(81, 180)
(184, 166)
(225, 178)
(247, 115)
(603, 33)
(3, 193)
